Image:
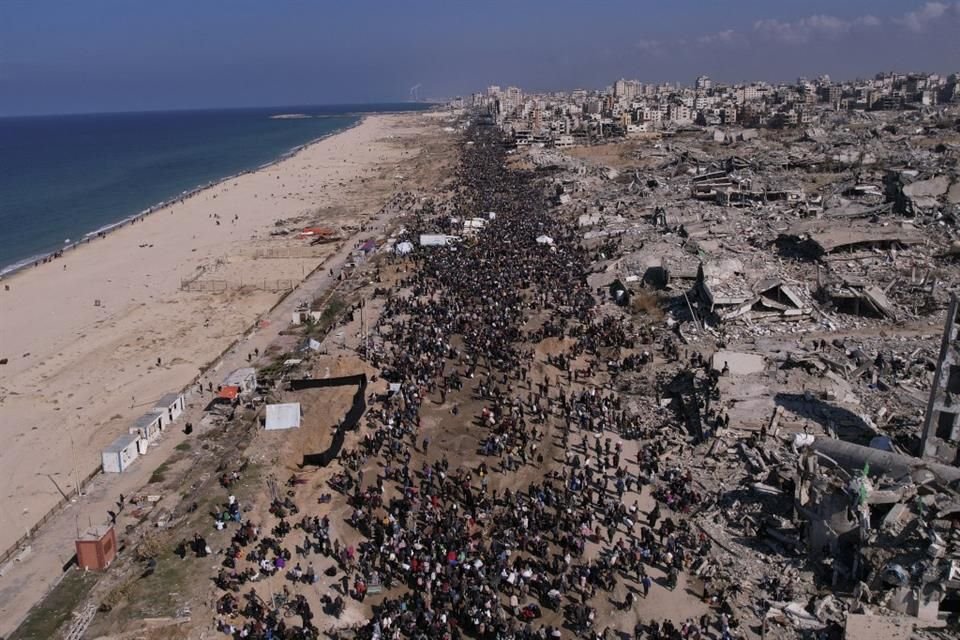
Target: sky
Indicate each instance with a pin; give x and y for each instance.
(69, 56)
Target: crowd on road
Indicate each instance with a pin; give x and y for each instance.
(533, 532)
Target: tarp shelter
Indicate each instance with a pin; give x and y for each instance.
(229, 392)
(544, 240)
(120, 453)
(283, 416)
(403, 248)
(245, 379)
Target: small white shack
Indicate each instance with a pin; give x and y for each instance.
(283, 416)
(148, 426)
(171, 406)
(120, 453)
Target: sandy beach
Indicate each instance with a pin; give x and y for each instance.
(95, 338)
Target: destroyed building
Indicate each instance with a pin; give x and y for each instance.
(815, 271)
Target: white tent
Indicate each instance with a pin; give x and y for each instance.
(403, 248)
(544, 240)
(283, 416)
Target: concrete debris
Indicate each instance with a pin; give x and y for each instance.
(790, 289)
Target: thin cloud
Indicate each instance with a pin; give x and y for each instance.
(726, 37)
(929, 14)
(652, 47)
(806, 29)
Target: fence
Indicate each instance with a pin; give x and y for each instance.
(222, 286)
(290, 253)
(19, 544)
(204, 286)
(350, 421)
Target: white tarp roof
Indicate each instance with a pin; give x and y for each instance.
(436, 240)
(283, 416)
(544, 240)
(404, 248)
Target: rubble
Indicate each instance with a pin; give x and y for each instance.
(801, 279)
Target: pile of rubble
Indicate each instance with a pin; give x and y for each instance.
(814, 270)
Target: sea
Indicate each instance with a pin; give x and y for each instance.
(64, 178)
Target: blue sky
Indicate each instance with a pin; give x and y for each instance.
(67, 56)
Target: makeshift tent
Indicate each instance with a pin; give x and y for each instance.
(245, 379)
(283, 416)
(544, 240)
(403, 248)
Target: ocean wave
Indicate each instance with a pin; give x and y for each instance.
(22, 264)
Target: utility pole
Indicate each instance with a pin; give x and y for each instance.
(76, 473)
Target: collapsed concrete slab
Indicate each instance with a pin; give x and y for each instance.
(738, 364)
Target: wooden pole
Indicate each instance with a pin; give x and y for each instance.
(76, 474)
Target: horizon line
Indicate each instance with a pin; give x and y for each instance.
(54, 114)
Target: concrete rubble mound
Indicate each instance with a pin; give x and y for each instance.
(799, 316)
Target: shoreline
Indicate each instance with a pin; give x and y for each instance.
(374, 154)
(84, 345)
(10, 270)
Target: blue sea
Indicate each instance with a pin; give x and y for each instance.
(65, 177)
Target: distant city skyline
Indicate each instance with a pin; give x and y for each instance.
(113, 55)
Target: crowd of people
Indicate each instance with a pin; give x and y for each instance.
(530, 532)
